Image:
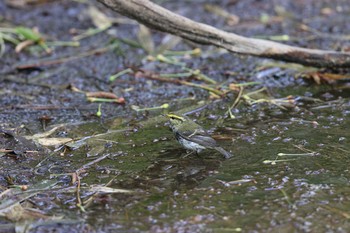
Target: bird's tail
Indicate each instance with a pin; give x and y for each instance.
(225, 153)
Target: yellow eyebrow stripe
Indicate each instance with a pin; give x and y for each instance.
(175, 116)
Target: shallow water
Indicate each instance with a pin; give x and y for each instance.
(255, 191)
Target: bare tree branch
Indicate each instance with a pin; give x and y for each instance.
(164, 20)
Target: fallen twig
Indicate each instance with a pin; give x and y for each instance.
(155, 16)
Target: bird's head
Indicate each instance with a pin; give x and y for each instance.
(175, 119)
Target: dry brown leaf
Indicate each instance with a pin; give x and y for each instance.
(144, 37)
(23, 45)
(102, 94)
(231, 19)
(53, 141)
(234, 87)
(24, 3)
(99, 19)
(104, 189)
(319, 77)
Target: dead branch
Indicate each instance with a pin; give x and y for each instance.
(157, 17)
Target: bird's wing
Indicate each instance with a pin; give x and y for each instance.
(199, 136)
(206, 141)
(191, 133)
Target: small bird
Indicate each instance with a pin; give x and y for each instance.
(192, 136)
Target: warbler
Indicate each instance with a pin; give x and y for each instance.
(192, 136)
